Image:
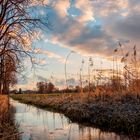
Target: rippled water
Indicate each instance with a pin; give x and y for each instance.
(38, 124)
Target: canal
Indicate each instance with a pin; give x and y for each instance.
(39, 124)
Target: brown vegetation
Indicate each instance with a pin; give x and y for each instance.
(8, 130)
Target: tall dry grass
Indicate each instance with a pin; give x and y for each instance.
(122, 78)
(8, 129)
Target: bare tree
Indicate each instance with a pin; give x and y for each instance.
(17, 28)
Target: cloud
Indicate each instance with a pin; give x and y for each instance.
(61, 7)
(28, 86)
(99, 26)
(77, 35)
(128, 27)
(71, 81)
(86, 9)
(41, 78)
(92, 27)
(38, 2)
(49, 54)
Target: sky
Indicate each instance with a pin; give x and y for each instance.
(90, 28)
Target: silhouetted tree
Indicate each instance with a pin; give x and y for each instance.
(44, 87)
(50, 87)
(40, 87)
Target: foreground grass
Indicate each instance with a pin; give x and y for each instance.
(119, 112)
(8, 130)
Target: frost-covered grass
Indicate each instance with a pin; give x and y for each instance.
(112, 112)
(8, 130)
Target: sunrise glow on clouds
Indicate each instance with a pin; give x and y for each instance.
(88, 27)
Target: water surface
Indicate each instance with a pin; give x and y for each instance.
(38, 124)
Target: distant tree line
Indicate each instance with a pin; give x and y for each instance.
(44, 87)
(48, 87)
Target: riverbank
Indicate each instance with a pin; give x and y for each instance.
(119, 113)
(8, 129)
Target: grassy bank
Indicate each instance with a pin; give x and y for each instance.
(8, 129)
(119, 112)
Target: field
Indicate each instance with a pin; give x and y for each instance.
(8, 130)
(110, 112)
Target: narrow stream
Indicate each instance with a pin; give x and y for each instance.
(38, 124)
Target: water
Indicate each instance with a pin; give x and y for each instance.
(38, 124)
